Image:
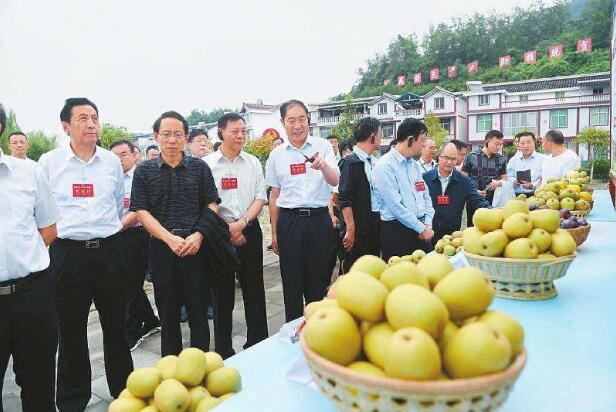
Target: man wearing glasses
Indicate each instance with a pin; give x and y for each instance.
(450, 190)
(301, 172)
(169, 194)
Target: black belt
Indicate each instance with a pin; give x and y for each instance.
(15, 285)
(88, 244)
(306, 211)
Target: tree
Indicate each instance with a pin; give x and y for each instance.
(436, 131)
(344, 129)
(595, 140)
(260, 147)
(38, 144)
(110, 133)
(197, 116)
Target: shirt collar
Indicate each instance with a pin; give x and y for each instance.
(360, 153)
(398, 156)
(219, 156)
(70, 154)
(131, 171)
(532, 155)
(309, 142)
(185, 160)
(424, 163)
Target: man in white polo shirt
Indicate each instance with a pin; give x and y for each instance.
(87, 258)
(560, 160)
(28, 330)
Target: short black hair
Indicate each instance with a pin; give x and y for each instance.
(459, 144)
(137, 149)
(291, 103)
(2, 119)
(347, 144)
(410, 128)
(331, 136)
(67, 110)
(130, 145)
(278, 138)
(217, 145)
(170, 114)
(151, 147)
(555, 136)
(196, 132)
(522, 134)
(365, 128)
(494, 134)
(225, 119)
(18, 133)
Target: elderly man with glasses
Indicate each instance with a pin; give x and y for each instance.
(450, 190)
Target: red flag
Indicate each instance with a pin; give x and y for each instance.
(584, 45)
(386, 82)
(504, 61)
(472, 67)
(556, 51)
(435, 74)
(530, 57)
(402, 80)
(417, 78)
(452, 71)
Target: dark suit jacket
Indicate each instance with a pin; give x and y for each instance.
(354, 191)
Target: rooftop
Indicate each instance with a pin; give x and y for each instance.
(561, 82)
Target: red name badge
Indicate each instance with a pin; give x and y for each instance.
(442, 200)
(126, 203)
(298, 169)
(83, 190)
(229, 183)
(420, 186)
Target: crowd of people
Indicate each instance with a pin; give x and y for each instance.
(85, 225)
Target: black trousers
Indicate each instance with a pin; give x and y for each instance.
(399, 240)
(304, 245)
(29, 333)
(222, 290)
(84, 276)
(139, 313)
(179, 280)
(366, 243)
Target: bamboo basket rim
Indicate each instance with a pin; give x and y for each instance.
(437, 387)
(581, 228)
(521, 262)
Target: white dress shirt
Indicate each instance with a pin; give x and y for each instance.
(239, 183)
(426, 167)
(519, 163)
(128, 186)
(558, 166)
(26, 205)
(90, 194)
(300, 186)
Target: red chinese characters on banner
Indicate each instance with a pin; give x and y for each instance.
(530, 57)
(386, 82)
(504, 61)
(401, 80)
(473, 67)
(556, 51)
(452, 71)
(435, 74)
(584, 45)
(417, 78)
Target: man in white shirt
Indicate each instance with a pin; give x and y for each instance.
(241, 188)
(199, 143)
(333, 140)
(527, 160)
(141, 321)
(87, 259)
(426, 162)
(302, 173)
(18, 145)
(561, 160)
(28, 330)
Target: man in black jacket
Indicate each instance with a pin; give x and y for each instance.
(450, 190)
(357, 197)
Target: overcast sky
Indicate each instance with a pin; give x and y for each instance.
(138, 58)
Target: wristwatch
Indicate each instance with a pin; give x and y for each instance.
(246, 220)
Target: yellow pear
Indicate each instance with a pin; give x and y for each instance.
(393, 260)
(196, 395)
(362, 295)
(487, 220)
(125, 394)
(546, 256)
(150, 408)
(417, 255)
(541, 238)
(331, 292)
(493, 243)
(466, 292)
(412, 305)
(376, 341)
(476, 349)
(514, 206)
(369, 264)
(224, 380)
(450, 329)
(456, 234)
(214, 361)
(226, 396)
(563, 243)
(171, 396)
(511, 328)
(435, 268)
(412, 354)
(522, 248)
(143, 381)
(403, 272)
(126, 405)
(313, 306)
(517, 225)
(208, 404)
(545, 219)
(333, 334)
(470, 240)
(166, 366)
(366, 368)
(191, 366)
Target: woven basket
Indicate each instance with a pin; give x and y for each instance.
(581, 213)
(523, 279)
(354, 391)
(580, 234)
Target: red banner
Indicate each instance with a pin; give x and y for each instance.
(530, 57)
(556, 51)
(401, 80)
(472, 67)
(584, 45)
(386, 82)
(435, 74)
(452, 71)
(417, 78)
(504, 61)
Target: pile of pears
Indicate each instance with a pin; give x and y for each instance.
(514, 232)
(194, 381)
(568, 193)
(415, 322)
(449, 245)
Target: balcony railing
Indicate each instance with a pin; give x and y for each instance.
(553, 101)
(409, 113)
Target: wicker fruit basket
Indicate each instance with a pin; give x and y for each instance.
(522, 279)
(580, 234)
(581, 213)
(353, 391)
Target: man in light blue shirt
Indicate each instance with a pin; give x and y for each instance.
(406, 206)
(527, 159)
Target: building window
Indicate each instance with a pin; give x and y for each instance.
(446, 123)
(388, 130)
(325, 131)
(598, 116)
(484, 100)
(439, 103)
(597, 90)
(558, 119)
(514, 123)
(382, 108)
(523, 98)
(560, 96)
(484, 122)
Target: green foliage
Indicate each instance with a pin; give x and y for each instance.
(344, 129)
(196, 116)
(436, 131)
(38, 144)
(509, 150)
(260, 147)
(110, 133)
(601, 168)
(596, 140)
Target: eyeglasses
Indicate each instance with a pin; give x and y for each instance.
(167, 135)
(293, 121)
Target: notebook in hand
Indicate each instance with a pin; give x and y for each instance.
(523, 175)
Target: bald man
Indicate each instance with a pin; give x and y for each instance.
(450, 190)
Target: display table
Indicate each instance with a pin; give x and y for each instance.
(571, 342)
